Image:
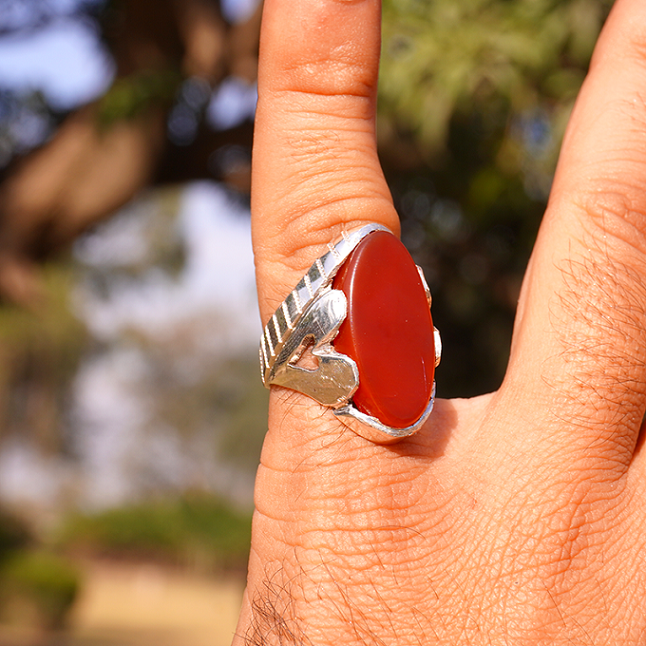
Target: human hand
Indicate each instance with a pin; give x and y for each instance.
(513, 518)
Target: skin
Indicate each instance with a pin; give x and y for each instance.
(518, 517)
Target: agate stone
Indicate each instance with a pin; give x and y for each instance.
(388, 330)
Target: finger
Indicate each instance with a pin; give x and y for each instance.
(315, 170)
(580, 338)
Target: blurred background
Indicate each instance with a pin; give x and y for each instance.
(131, 410)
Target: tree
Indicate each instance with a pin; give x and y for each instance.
(474, 98)
(473, 101)
(147, 129)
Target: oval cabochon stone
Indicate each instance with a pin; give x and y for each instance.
(388, 330)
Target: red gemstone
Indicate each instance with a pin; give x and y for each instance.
(388, 330)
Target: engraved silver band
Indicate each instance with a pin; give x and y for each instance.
(310, 316)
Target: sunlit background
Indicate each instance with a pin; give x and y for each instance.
(131, 410)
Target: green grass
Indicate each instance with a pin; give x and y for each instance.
(198, 531)
(37, 587)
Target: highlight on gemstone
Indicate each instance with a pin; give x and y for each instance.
(388, 330)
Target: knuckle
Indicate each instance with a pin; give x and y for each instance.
(599, 317)
(599, 323)
(314, 78)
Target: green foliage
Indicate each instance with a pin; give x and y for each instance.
(229, 399)
(37, 587)
(14, 534)
(131, 96)
(53, 321)
(474, 98)
(39, 354)
(495, 57)
(244, 404)
(197, 531)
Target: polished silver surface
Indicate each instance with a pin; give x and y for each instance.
(438, 346)
(318, 277)
(309, 319)
(336, 378)
(349, 415)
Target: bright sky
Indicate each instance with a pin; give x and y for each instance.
(214, 292)
(218, 274)
(66, 61)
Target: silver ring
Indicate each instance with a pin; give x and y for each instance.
(310, 317)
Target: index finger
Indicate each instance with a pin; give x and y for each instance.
(315, 169)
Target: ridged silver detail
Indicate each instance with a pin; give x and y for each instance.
(288, 318)
(302, 294)
(321, 268)
(310, 316)
(270, 345)
(279, 327)
(292, 307)
(318, 277)
(308, 284)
